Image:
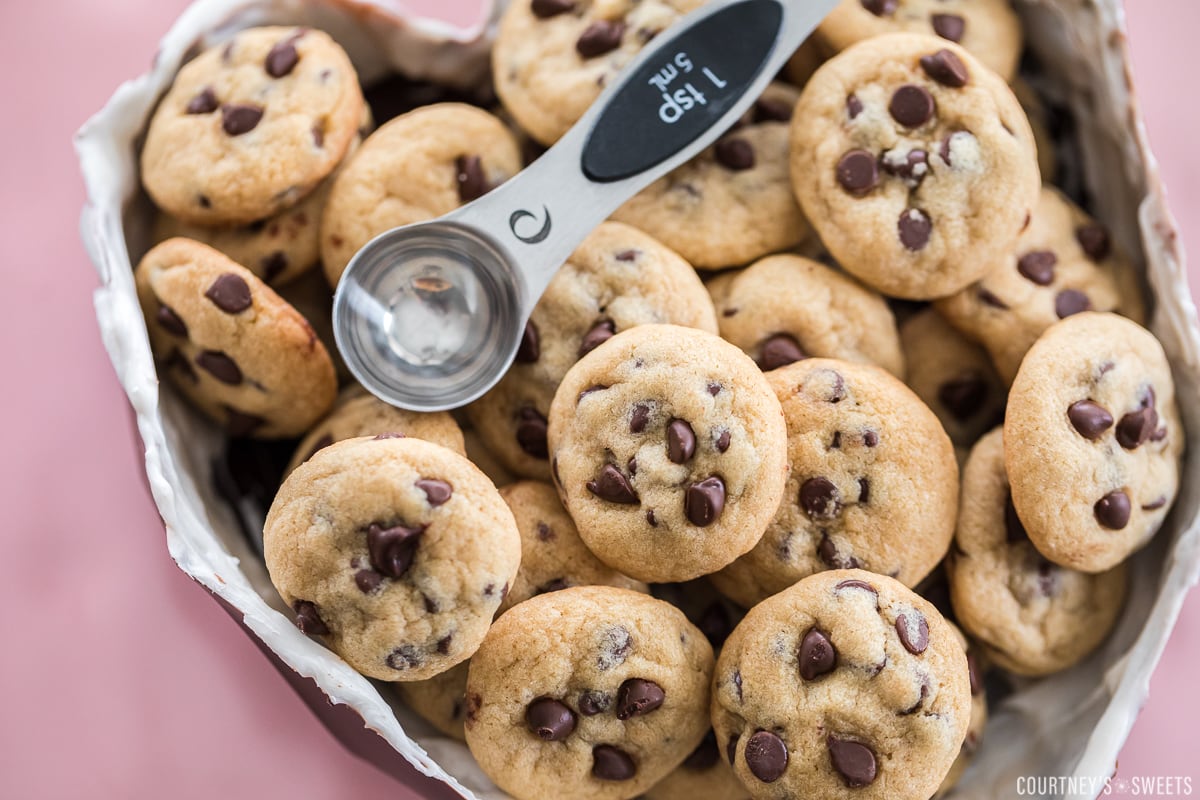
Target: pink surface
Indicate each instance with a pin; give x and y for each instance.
(122, 679)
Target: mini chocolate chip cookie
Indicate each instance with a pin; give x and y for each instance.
(278, 249)
(591, 693)
(1063, 263)
(702, 774)
(552, 58)
(617, 278)
(785, 308)
(251, 126)
(394, 551)
(358, 413)
(733, 203)
(553, 557)
(416, 167)
(953, 376)
(669, 450)
(1033, 616)
(873, 482)
(845, 685)
(1093, 441)
(914, 163)
(989, 29)
(441, 700)
(230, 344)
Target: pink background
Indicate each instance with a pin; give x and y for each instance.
(122, 678)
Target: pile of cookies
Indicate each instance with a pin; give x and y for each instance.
(817, 430)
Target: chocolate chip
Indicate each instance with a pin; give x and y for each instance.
(704, 501)
(973, 675)
(549, 719)
(637, 697)
(911, 166)
(239, 423)
(169, 321)
(367, 580)
(1038, 266)
(946, 68)
(203, 103)
(915, 707)
(436, 491)
(1090, 419)
(722, 441)
(1014, 530)
(1155, 504)
(545, 533)
(318, 134)
(203, 201)
(230, 293)
(766, 756)
(820, 499)
(392, 549)
(949, 26)
(963, 397)
(602, 36)
(597, 387)
(880, 8)
(853, 761)
(474, 703)
(468, 174)
(731, 748)
(912, 106)
(854, 583)
(1112, 510)
(308, 619)
(864, 490)
(531, 432)
(612, 764)
(989, 299)
(737, 683)
(870, 438)
(714, 388)
(779, 350)
(818, 656)
(828, 553)
(770, 110)
(637, 421)
(735, 154)
(1071, 301)
(593, 703)
(857, 172)
(406, 656)
(681, 441)
(600, 333)
(1093, 238)
(705, 755)
(854, 106)
(612, 486)
(431, 605)
(914, 228)
(530, 348)
(1048, 578)
(282, 58)
(239, 119)
(220, 366)
(443, 644)
(913, 631)
(651, 520)
(628, 255)
(545, 9)
(273, 265)
(1136, 427)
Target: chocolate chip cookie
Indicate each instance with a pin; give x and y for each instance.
(873, 482)
(441, 700)
(230, 344)
(553, 557)
(1063, 263)
(552, 58)
(358, 413)
(733, 202)
(414, 168)
(953, 376)
(393, 551)
(914, 163)
(845, 685)
(617, 278)
(251, 126)
(1033, 616)
(592, 692)
(989, 29)
(785, 308)
(668, 447)
(1093, 440)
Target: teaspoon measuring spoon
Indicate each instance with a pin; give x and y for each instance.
(429, 316)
